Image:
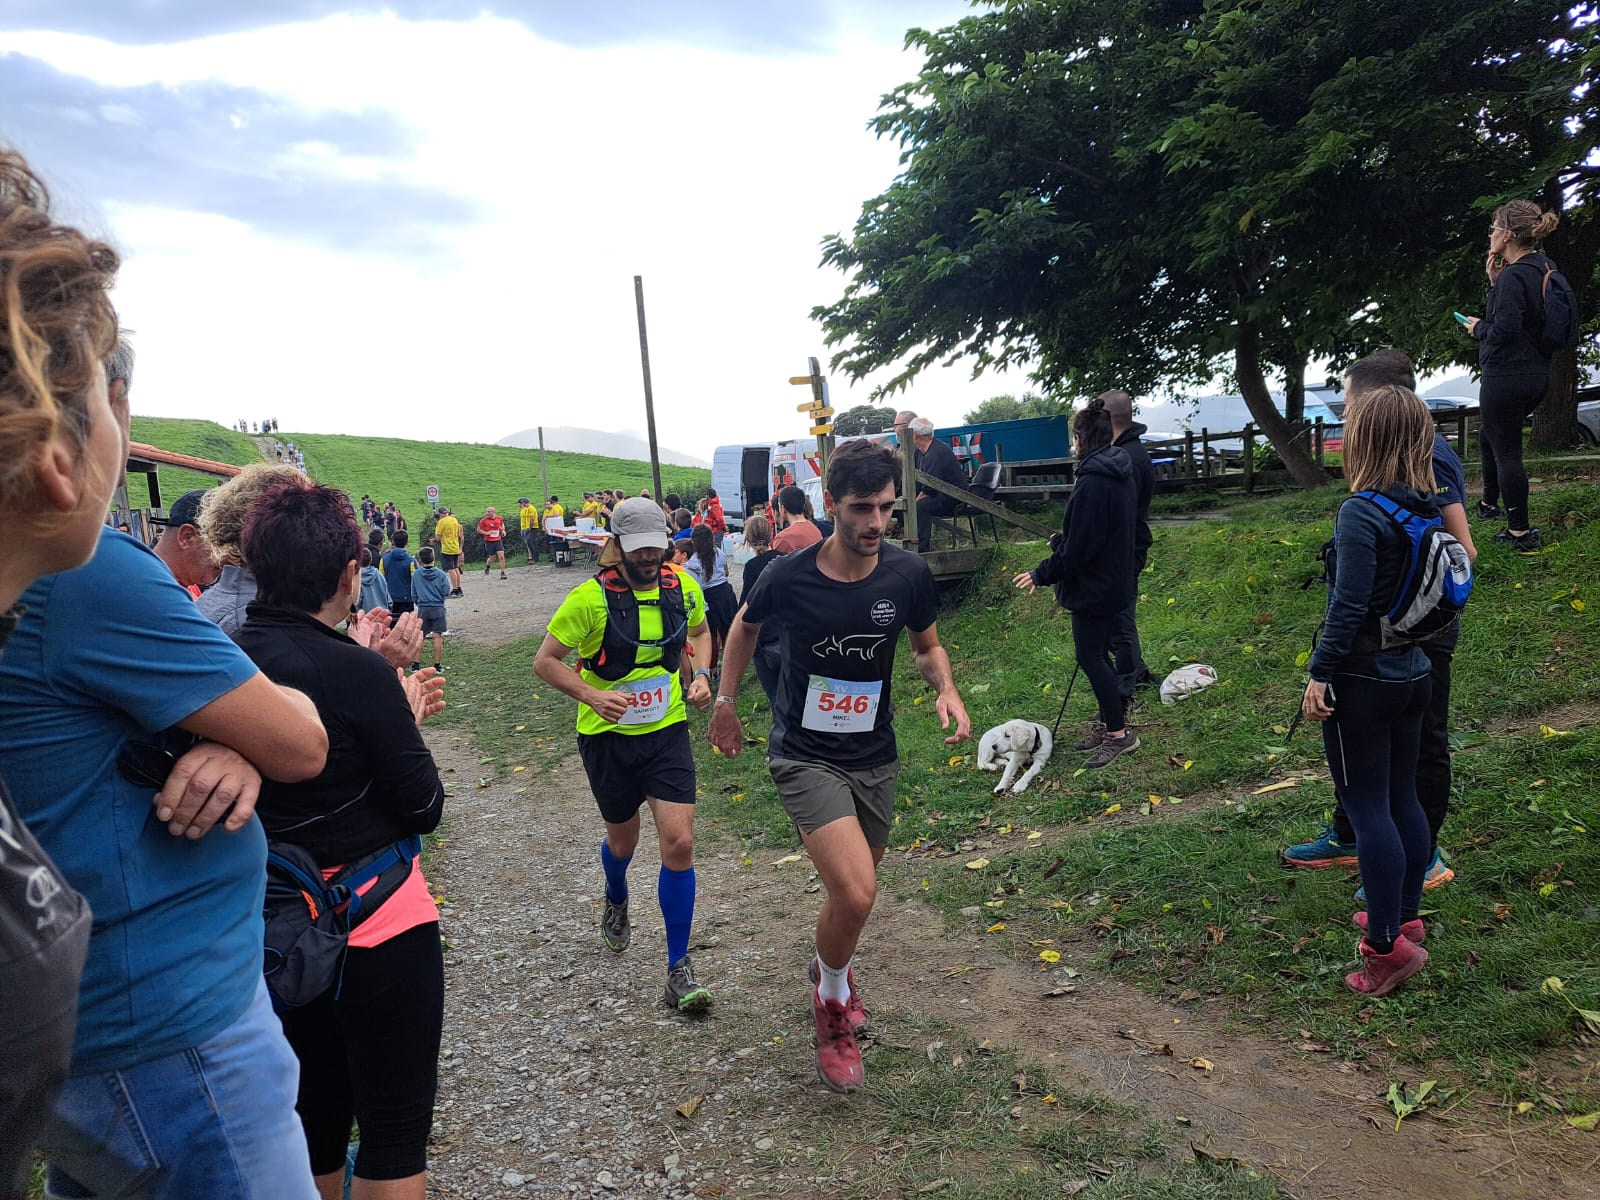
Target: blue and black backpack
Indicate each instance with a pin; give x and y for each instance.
(1436, 582)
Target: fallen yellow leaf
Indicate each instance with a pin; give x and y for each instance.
(956, 759)
(1050, 956)
(519, 728)
(1578, 605)
(518, 770)
(788, 858)
(1050, 1099)
(996, 927)
(1113, 808)
(1554, 733)
(1034, 835)
(977, 864)
(1187, 763)
(1201, 1064)
(687, 1108)
(1276, 787)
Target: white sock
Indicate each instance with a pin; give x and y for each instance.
(833, 983)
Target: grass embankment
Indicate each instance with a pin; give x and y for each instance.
(1163, 870)
(470, 477)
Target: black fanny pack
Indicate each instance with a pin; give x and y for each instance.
(309, 919)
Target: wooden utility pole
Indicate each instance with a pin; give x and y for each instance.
(649, 398)
(544, 475)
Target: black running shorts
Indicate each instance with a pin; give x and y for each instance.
(625, 768)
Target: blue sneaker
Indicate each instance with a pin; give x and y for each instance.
(1438, 875)
(1324, 850)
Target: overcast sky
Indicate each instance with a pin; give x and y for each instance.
(416, 222)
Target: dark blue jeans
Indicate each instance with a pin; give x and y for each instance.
(1372, 741)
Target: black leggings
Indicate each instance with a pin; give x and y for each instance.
(1504, 404)
(373, 1055)
(1372, 741)
(1091, 637)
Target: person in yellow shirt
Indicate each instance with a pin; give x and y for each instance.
(447, 533)
(591, 507)
(529, 517)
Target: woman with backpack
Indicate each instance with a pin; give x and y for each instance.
(1515, 359)
(708, 563)
(368, 1043)
(1370, 697)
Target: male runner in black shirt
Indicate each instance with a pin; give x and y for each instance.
(839, 607)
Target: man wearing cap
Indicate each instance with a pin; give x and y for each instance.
(631, 624)
(492, 529)
(528, 516)
(187, 554)
(447, 532)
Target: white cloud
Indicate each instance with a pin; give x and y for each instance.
(713, 175)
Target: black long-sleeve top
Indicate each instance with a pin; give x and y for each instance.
(1091, 559)
(1508, 335)
(1144, 487)
(380, 783)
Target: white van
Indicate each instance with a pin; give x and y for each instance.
(742, 476)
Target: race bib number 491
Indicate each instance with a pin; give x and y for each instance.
(647, 699)
(841, 705)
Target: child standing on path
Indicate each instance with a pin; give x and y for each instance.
(397, 567)
(430, 588)
(374, 591)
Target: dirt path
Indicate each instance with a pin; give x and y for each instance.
(561, 1071)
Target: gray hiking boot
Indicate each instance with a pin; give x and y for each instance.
(614, 928)
(684, 992)
(1111, 749)
(1092, 740)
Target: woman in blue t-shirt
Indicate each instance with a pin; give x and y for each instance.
(1370, 697)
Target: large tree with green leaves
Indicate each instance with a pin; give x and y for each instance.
(1156, 193)
(863, 418)
(1014, 408)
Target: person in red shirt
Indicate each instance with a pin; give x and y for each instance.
(713, 518)
(492, 529)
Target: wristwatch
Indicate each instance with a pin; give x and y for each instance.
(703, 671)
(727, 700)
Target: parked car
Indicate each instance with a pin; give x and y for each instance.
(1443, 404)
(1589, 414)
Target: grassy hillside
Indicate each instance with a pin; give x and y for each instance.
(470, 477)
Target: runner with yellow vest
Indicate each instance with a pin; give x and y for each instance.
(631, 624)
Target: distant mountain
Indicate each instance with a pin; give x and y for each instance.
(593, 441)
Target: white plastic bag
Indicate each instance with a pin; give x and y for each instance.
(1185, 681)
(738, 553)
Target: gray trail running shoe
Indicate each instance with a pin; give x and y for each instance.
(614, 928)
(684, 992)
(1112, 749)
(1092, 739)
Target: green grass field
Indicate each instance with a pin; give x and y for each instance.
(469, 477)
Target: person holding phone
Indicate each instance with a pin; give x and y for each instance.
(1516, 371)
(1371, 699)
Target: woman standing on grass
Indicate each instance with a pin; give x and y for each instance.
(1516, 371)
(1091, 565)
(768, 654)
(1372, 699)
(368, 1046)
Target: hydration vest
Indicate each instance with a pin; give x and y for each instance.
(621, 643)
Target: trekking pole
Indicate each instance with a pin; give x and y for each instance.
(1064, 700)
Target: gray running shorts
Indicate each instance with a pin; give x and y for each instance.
(815, 794)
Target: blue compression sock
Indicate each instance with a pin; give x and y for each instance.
(676, 892)
(616, 870)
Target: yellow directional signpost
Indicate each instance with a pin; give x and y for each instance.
(819, 410)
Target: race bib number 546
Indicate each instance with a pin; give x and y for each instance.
(841, 705)
(647, 699)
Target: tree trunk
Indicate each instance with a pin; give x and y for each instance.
(1296, 455)
(1294, 392)
(1555, 422)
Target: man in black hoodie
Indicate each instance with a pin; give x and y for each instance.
(1125, 434)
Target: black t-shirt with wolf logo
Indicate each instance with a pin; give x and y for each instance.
(838, 641)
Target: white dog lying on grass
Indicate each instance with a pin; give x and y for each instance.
(1021, 744)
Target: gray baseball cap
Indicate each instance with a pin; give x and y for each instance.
(637, 523)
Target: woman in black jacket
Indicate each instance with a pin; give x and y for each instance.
(369, 1046)
(1091, 565)
(1371, 697)
(1516, 371)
